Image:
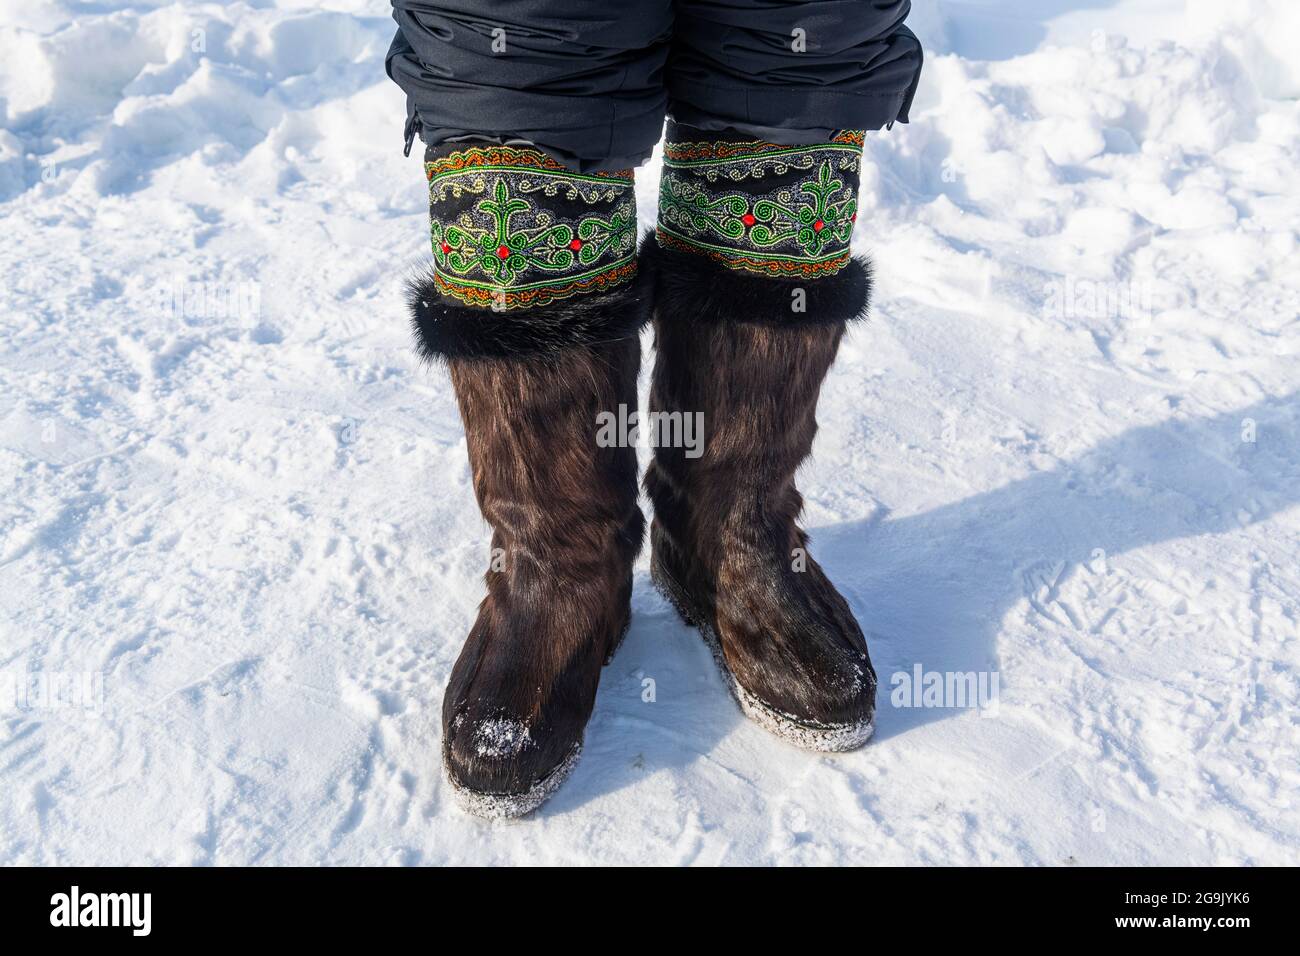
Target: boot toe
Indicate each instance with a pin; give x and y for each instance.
(502, 766)
(812, 686)
(825, 709)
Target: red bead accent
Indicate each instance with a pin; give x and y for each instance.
(748, 219)
(818, 226)
(575, 245)
(503, 252)
(445, 248)
(853, 218)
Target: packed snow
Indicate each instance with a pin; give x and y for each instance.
(239, 548)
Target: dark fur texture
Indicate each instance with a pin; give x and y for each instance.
(701, 289)
(446, 329)
(564, 513)
(725, 529)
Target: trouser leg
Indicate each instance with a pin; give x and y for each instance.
(580, 79)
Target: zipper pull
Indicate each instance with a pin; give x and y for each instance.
(412, 125)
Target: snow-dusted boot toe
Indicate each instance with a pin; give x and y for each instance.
(806, 680)
(498, 769)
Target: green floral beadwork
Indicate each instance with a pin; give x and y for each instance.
(761, 207)
(512, 228)
(818, 218)
(502, 253)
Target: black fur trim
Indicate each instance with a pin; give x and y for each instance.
(696, 288)
(446, 329)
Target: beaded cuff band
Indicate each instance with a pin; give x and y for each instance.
(512, 228)
(782, 211)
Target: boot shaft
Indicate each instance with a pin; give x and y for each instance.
(543, 481)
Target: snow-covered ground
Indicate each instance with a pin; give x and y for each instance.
(238, 542)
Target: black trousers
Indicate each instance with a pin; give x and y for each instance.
(590, 81)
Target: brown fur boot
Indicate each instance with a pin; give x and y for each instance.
(566, 529)
(727, 551)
